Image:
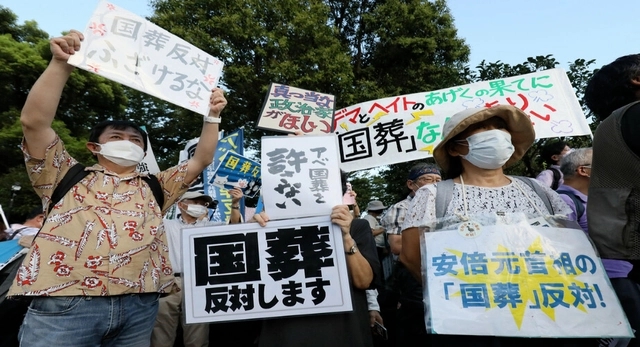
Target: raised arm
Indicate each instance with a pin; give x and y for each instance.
(208, 142)
(359, 268)
(42, 102)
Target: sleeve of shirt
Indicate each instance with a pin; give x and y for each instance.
(372, 300)
(46, 173)
(545, 178)
(361, 234)
(393, 219)
(630, 124)
(173, 184)
(422, 210)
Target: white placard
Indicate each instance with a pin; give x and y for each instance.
(244, 271)
(300, 176)
(128, 49)
(520, 281)
(408, 127)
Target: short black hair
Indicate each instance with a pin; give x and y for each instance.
(99, 128)
(610, 87)
(35, 212)
(551, 148)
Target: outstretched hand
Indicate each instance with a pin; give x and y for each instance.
(64, 47)
(217, 102)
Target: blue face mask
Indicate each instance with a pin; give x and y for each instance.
(489, 149)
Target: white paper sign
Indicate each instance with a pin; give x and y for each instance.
(520, 281)
(300, 176)
(244, 271)
(408, 127)
(128, 49)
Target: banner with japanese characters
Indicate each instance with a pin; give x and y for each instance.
(232, 142)
(519, 280)
(408, 127)
(244, 271)
(237, 171)
(287, 109)
(128, 49)
(300, 176)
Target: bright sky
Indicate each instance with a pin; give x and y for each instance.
(506, 30)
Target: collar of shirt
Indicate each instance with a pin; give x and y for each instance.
(98, 167)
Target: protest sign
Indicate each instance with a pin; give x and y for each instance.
(128, 49)
(288, 109)
(408, 127)
(244, 271)
(232, 142)
(300, 176)
(237, 171)
(518, 280)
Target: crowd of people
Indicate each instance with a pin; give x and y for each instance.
(59, 295)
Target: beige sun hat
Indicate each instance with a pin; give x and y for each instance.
(518, 125)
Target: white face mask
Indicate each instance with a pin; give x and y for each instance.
(489, 149)
(124, 153)
(195, 210)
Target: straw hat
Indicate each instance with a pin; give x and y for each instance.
(518, 125)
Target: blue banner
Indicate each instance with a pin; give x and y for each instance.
(233, 142)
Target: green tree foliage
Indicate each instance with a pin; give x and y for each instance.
(355, 50)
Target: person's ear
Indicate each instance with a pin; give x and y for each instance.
(636, 81)
(93, 147)
(454, 149)
(555, 157)
(410, 184)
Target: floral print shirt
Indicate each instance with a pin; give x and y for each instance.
(105, 237)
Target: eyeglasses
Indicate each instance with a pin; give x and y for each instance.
(427, 179)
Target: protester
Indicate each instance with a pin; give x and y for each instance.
(374, 212)
(552, 152)
(612, 95)
(477, 145)
(336, 329)
(409, 327)
(97, 267)
(194, 212)
(30, 226)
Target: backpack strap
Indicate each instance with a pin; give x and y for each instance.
(18, 231)
(156, 189)
(444, 195)
(576, 201)
(556, 178)
(538, 189)
(73, 176)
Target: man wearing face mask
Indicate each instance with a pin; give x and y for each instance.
(99, 264)
(194, 212)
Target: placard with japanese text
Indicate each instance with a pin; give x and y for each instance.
(128, 49)
(300, 176)
(518, 280)
(237, 171)
(287, 109)
(408, 127)
(244, 271)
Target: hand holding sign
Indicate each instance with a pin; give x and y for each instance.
(64, 47)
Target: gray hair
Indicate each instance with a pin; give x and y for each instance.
(578, 157)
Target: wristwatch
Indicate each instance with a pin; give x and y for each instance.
(353, 250)
(235, 207)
